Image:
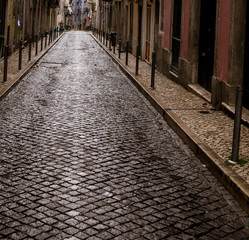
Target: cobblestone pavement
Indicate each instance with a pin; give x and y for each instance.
(13, 73)
(85, 156)
(214, 128)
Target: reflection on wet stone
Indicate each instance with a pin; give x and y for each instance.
(83, 155)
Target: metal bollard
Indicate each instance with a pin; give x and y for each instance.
(33, 39)
(110, 43)
(46, 39)
(41, 41)
(6, 49)
(137, 60)
(126, 53)
(106, 39)
(219, 102)
(20, 55)
(36, 44)
(237, 124)
(152, 85)
(5, 69)
(119, 48)
(114, 44)
(30, 42)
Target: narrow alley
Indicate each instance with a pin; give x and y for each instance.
(85, 156)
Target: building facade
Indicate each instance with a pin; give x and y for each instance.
(201, 44)
(204, 47)
(22, 19)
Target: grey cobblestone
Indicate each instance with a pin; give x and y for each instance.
(214, 128)
(85, 156)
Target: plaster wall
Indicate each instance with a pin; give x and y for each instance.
(223, 39)
(185, 29)
(167, 24)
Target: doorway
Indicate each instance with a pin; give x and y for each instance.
(131, 27)
(2, 25)
(206, 43)
(157, 13)
(176, 35)
(148, 28)
(246, 63)
(140, 9)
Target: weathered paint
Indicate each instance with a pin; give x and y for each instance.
(167, 23)
(185, 29)
(223, 39)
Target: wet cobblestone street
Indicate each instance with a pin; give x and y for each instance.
(85, 156)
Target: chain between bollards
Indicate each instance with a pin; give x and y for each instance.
(237, 125)
(152, 85)
(137, 59)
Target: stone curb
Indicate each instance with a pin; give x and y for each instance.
(5, 92)
(236, 185)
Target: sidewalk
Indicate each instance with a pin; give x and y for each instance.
(208, 132)
(15, 75)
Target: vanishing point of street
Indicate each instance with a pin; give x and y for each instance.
(85, 156)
